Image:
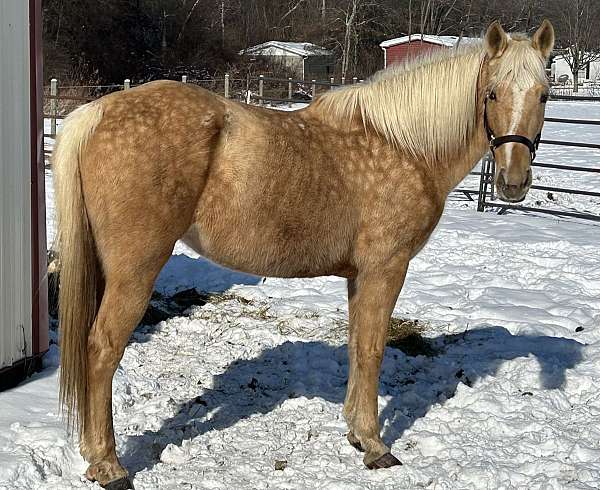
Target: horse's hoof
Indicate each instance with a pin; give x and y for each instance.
(386, 461)
(120, 484)
(354, 442)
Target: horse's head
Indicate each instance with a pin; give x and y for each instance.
(516, 95)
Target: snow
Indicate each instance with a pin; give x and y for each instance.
(448, 41)
(299, 49)
(214, 398)
(560, 67)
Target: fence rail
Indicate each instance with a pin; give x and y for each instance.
(261, 89)
(576, 98)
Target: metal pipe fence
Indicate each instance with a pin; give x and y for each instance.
(486, 199)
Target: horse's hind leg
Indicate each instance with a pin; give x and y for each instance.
(371, 297)
(129, 280)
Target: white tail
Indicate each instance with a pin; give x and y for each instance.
(79, 269)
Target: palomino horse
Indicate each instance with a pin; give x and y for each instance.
(353, 185)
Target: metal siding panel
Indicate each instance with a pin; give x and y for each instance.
(409, 51)
(39, 281)
(15, 190)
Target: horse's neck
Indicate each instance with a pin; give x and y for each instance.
(462, 142)
(449, 174)
(446, 172)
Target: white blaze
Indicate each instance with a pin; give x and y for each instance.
(518, 97)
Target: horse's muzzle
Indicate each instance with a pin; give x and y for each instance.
(511, 191)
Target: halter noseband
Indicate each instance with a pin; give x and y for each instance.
(509, 138)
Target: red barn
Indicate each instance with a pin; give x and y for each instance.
(409, 47)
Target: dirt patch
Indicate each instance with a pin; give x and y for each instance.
(406, 335)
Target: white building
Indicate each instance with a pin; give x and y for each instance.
(304, 60)
(560, 68)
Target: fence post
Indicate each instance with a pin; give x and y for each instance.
(183, 78)
(261, 86)
(331, 82)
(313, 89)
(226, 89)
(355, 80)
(484, 180)
(290, 92)
(492, 174)
(127, 84)
(343, 80)
(248, 88)
(53, 106)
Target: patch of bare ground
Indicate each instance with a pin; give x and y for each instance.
(407, 336)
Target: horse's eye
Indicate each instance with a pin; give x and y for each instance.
(544, 98)
(492, 96)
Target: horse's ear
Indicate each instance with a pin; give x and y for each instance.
(496, 40)
(543, 39)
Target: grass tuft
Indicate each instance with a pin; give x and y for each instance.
(406, 335)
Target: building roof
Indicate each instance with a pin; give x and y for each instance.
(299, 49)
(448, 41)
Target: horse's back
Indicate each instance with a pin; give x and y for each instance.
(275, 202)
(145, 166)
(269, 192)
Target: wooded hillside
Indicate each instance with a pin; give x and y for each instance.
(108, 40)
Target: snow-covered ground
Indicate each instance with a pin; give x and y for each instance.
(214, 398)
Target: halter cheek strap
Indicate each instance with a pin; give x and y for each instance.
(509, 138)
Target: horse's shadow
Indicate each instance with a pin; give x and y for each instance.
(200, 273)
(196, 280)
(316, 369)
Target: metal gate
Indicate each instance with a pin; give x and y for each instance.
(486, 197)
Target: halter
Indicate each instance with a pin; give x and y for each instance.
(509, 138)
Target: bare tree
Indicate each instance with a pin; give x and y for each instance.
(154, 37)
(348, 17)
(579, 34)
(435, 16)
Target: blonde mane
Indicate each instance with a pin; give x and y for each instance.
(428, 107)
(521, 65)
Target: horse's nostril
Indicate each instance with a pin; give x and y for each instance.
(528, 178)
(515, 186)
(501, 179)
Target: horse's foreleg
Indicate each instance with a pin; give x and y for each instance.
(124, 301)
(371, 298)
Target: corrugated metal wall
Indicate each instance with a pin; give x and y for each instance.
(407, 51)
(15, 184)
